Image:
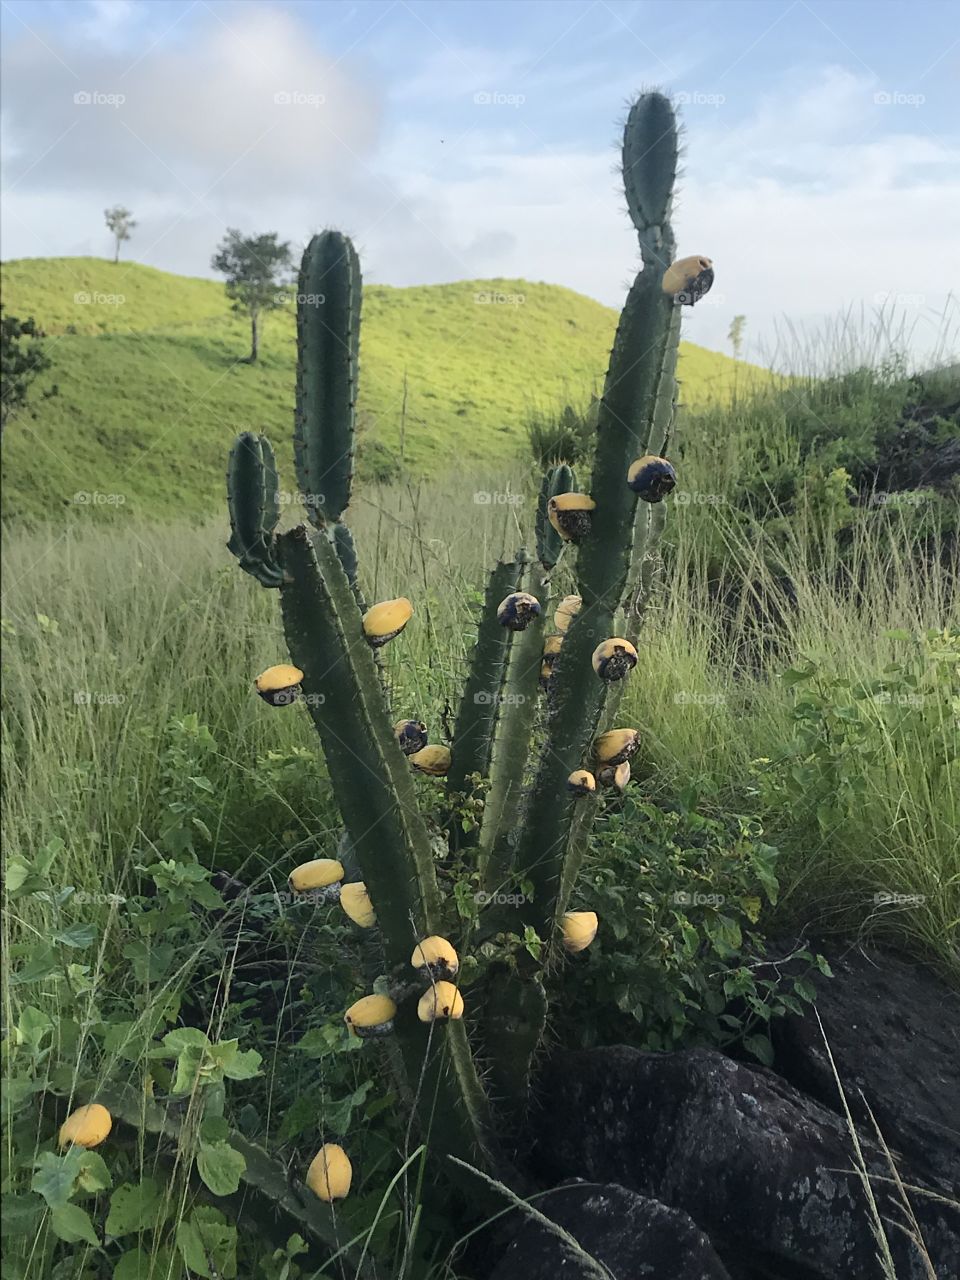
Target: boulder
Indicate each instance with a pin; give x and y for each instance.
(767, 1172)
(631, 1236)
(894, 1032)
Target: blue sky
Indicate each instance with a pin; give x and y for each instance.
(465, 140)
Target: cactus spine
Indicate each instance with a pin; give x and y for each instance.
(534, 839)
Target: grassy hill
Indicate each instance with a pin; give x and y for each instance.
(151, 392)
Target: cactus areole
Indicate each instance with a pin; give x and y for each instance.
(536, 732)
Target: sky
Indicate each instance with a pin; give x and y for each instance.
(480, 139)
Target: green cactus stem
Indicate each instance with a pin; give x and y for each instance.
(328, 342)
(549, 543)
(482, 695)
(254, 504)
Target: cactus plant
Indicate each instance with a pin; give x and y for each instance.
(534, 755)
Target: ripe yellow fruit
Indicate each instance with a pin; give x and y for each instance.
(442, 1000)
(688, 279)
(569, 513)
(279, 686)
(614, 775)
(616, 745)
(518, 610)
(435, 957)
(356, 903)
(614, 659)
(582, 783)
(579, 929)
(322, 874)
(330, 1173)
(434, 761)
(86, 1127)
(566, 611)
(383, 621)
(371, 1016)
(411, 735)
(652, 477)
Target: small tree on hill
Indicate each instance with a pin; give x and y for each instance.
(735, 336)
(257, 268)
(22, 360)
(121, 223)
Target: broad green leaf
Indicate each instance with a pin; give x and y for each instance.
(220, 1167)
(73, 1224)
(134, 1207)
(760, 1047)
(93, 1174)
(77, 935)
(207, 1244)
(56, 1176)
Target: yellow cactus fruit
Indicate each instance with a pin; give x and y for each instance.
(279, 685)
(579, 930)
(566, 611)
(652, 477)
(688, 279)
(616, 745)
(330, 1173)
(86, 1127)
(434, 761)
(371, 1016)
(614, 775)
(434, 957)
(384, 621)
(442, 1000)
(569, 513)
(411, 735)
(581, 783)
(518, 610)
(356, 903)
(614, 659)
(321, 876)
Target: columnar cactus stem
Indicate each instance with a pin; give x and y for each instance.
(328, 341)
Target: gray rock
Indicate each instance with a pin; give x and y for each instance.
(765, 1171)
(894, 1032)
(633, 1237)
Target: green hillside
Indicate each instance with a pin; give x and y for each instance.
(151, 392)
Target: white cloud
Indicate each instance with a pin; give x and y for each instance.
(816, 198)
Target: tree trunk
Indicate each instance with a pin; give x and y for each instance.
(116, 252)
(254, 337)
